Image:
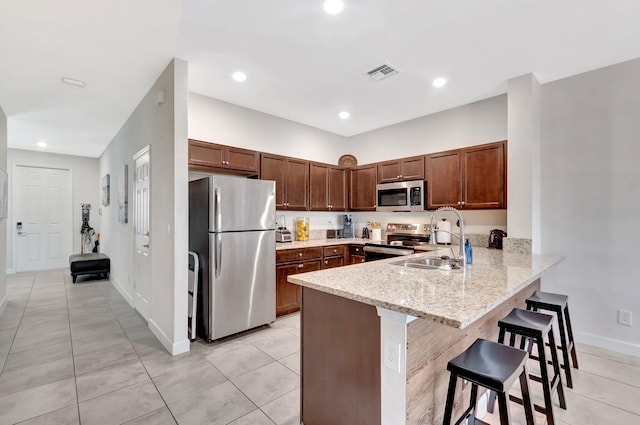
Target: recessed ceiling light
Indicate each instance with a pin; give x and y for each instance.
(439, 82)
(333, 7)
(73, 82)
(344, 115)
(41, 144)
(239, 76)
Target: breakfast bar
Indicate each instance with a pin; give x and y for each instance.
(376, 337)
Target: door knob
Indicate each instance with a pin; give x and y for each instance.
(145, 245)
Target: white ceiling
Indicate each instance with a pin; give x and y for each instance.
(302, 64)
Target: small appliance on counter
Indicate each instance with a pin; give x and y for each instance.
(334, 233)
(282, 233)
(495, 238)
(347, 226)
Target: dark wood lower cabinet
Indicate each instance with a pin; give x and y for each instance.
(288, 294)
(340, 367)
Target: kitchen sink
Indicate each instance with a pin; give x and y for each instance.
(426, 263)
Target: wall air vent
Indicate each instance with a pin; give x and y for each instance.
(383, 71)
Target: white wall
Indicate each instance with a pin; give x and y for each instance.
(164, 128)
(473, 124)
(85, 188)
(212, 120)
(3, 223)
(523, 190)
(590, 199)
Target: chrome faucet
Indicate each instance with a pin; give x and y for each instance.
(432, 232)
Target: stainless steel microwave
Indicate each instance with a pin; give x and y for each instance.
(402, 196)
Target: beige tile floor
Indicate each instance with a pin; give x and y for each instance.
(78, 353)
(73, 354)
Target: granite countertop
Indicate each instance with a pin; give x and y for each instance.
(456, 298)
(321, 242)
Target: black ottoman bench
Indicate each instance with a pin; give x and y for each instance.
(93, 263)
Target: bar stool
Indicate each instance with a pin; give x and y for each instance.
(559, 304)
(495, 367)
(535, 326)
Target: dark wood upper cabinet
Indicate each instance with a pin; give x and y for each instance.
(225, 159)
(444, 188)
(470, 178)
(362, 188)
(327, 187)
(485, 176)
(403, 169)
(292, 180)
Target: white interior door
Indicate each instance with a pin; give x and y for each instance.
(142, 261)
(42, 218)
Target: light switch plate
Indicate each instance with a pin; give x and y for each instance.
(624, 317)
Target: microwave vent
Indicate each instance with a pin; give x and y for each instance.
(383, 71)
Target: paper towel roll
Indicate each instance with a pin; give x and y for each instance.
(376, 234)
(443, 237)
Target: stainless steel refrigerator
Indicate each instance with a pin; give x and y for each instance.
(232, 228)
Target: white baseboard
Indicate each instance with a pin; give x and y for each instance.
(617, 345)
(174, 348)
(11, 271)
(121, 290)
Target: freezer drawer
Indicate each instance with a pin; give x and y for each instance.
(242, 281)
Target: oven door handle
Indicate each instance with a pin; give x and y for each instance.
(390, 251)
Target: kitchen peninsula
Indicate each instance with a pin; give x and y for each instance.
(376, 337)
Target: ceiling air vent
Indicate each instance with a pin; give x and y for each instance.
(383, 71)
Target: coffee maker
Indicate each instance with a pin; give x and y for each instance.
(347, 226)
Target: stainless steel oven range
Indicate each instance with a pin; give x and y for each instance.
(401, 240)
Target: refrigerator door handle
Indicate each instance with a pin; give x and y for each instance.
(218, 254)
(216, 210)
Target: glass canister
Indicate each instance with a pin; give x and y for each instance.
(302, 228)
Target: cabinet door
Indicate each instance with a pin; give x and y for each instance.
(318, 187)
(362, 188)
(297, 184)
(389, 171)
(413, 168)
(357, 259)
(444, 180)
(272, 167)
(485, 176)
(205, 154)
(242, 159)
(288, 294)
(338, 189)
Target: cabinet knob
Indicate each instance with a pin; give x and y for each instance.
(300, 254)
(397, 177)
(357, 249)
(335, 250)
(400, 175)
(326, 261)
(300, 266)
(462, 203)
(459, 202)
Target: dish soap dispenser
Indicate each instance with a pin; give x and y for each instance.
(468, 251)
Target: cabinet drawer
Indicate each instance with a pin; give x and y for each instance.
(288, 255)
(330, 262)
(309, 266)
(334, 251)
(356, 249)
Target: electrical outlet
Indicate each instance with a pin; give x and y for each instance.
(624, 317)
(392, 355)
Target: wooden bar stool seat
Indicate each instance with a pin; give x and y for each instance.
(559, 304)
(492, 366)
(537, 327)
